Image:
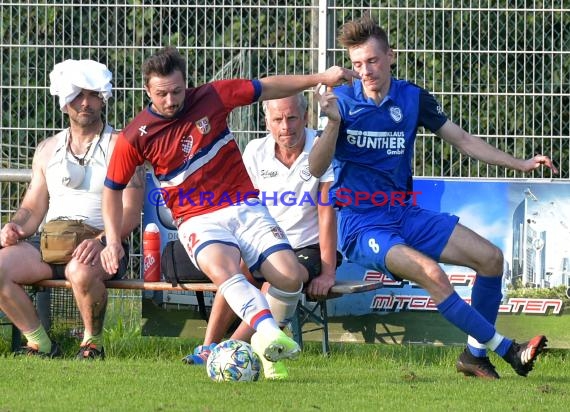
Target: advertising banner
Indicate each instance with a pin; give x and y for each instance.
(526, 219)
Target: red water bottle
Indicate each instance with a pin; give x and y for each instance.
(151, 253)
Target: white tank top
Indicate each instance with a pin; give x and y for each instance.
(84, 201)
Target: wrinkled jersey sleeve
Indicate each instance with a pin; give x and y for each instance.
(124, 161)
(431, 114)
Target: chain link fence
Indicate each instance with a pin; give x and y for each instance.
(500, 68)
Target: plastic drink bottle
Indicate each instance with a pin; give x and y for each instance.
(151, 253)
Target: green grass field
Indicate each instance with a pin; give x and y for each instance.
(402, 327)
(146, 374)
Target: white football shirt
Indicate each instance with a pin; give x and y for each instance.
(291, 194)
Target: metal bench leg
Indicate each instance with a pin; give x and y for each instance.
(319, 316)
(16, 338)
(297, 325)
(325, 323)
(43, 305)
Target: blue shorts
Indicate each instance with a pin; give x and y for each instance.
(366, 237)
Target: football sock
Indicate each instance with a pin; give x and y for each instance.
(40, 339)
(283, 304)
(96, 340)
(459, 313)
(476, 349)
(248, 303)
(499, 344)
(485, 298)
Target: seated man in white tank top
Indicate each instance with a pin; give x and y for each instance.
(68, 172)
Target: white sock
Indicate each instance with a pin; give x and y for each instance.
(283, 304)
(248, 303)
(495, 341)
(475, 343)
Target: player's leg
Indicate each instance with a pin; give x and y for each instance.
(221, 318)
(283, 306)
(285, 276)
(467, 248)
(412, 265)
(215, 244)
(265, 249)
(87, 282)
(220, 262)
(431, 233)
(21, 265)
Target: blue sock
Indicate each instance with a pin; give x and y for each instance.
(503, 347)
(486, 298)
(459, 313)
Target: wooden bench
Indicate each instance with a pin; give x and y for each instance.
(306, 312)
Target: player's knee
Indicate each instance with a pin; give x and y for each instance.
(289, 284)
(291, 280)
(5, 277)
(493, 264)
(78, 275)
(437, 281)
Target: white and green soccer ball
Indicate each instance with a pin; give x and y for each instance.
(233, 360)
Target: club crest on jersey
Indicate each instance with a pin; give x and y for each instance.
(203, 125)
(396, 114)
(278, 232)
(187, 144)
(305, 174)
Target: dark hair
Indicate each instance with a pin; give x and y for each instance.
(163, 63)
(357, 32)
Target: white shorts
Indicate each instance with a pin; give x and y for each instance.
(249, 227)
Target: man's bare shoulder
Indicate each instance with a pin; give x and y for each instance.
(45, 149)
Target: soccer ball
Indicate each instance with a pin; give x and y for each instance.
(233, 360)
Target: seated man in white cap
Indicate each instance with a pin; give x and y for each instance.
(68, 172)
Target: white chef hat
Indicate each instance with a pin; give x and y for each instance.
(69, 77)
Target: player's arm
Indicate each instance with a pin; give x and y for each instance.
(320, 286)
(277, 87)
(432, 117)
(479, 149)
(33, 208)
(120, 171)
(112, 208)
(322, 152)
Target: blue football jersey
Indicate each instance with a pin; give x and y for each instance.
(375, 147)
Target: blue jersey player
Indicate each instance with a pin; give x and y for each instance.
(381, 227)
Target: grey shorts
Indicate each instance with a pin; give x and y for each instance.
(58, 271)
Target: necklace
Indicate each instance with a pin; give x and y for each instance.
(82, 160)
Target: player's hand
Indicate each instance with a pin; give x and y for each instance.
(10, 234)
(319, 287)
(537, 161)
(88, 251)
(337, 75)
(110, 257)
(328, 102)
